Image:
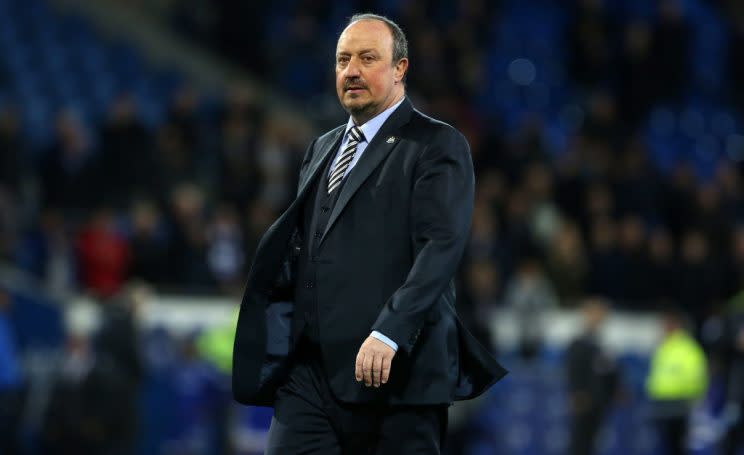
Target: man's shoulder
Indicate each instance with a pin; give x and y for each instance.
(432, 127)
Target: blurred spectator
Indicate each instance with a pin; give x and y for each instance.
(735, 278)
(118, 358)
(679, 192)
(571, 186)
(601, 127)
(638, 81)
(174, 158)
(480, 298)
(278, 162)
(635, 282)
(70, 175)
(93, 401)
(662, 266)
(148, 243)
(599, 204)
(735, 51)
(712, 220)
(225, 248)
(525, 147)
(592, 377)
(483, 235)
(13, 153)
(678, 377)
(11, 382)
(80, 416)
(530, 295)
(103, 254)
(9, 224)
(700, 280)
(636, 182)
(606, 263)
(48, 254)
(202, 399)
(733, 340)
(184, 118)
(239, 179)
(126, 155)
(543, 217)
(567, 264)
(729, 182)
(516, 236)
(188, 246)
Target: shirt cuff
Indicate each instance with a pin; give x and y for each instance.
(385, 340)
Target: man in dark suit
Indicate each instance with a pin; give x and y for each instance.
(348, 324)
(592, 379)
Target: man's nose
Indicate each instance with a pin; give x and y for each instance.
(352, 69)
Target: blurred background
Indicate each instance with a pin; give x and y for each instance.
(145, 145)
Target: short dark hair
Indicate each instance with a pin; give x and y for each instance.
(400, 43)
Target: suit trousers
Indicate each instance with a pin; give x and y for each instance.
(309, 420)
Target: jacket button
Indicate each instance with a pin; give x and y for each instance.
(324, 209)
(318, 235)
(309, 285)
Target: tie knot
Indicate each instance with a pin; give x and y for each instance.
(355, 134)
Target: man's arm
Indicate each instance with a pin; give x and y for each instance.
(441, 210)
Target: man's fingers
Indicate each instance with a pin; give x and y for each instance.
(386, 363)
(377, 370)
(359, 365)
(367, 369)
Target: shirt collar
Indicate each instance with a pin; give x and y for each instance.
(373, 125)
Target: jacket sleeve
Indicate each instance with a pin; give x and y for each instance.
(441, 210)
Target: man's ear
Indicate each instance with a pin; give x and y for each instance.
(400, 69)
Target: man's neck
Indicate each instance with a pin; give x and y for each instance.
(363, 118)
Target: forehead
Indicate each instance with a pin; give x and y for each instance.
(364, 35)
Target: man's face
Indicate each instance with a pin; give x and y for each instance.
(367, 82)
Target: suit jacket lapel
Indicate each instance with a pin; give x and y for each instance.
(329, 147)
(373, 155)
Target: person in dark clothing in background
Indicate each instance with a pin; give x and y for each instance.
(11, 381)
(733, 340)
(120, 362)
(68, 171)
(592, 379)
(93, 405)
(12, 153)
(126, 155)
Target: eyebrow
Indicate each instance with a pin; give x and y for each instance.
(363, 51)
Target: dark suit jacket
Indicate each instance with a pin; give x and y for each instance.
(387, 257)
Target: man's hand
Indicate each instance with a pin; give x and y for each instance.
(373, 362)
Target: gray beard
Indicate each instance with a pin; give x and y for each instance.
(364, 111)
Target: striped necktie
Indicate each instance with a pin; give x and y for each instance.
(355, 137)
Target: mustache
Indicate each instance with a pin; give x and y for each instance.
(354, 83)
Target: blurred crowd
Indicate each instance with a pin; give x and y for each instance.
(181, 205)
